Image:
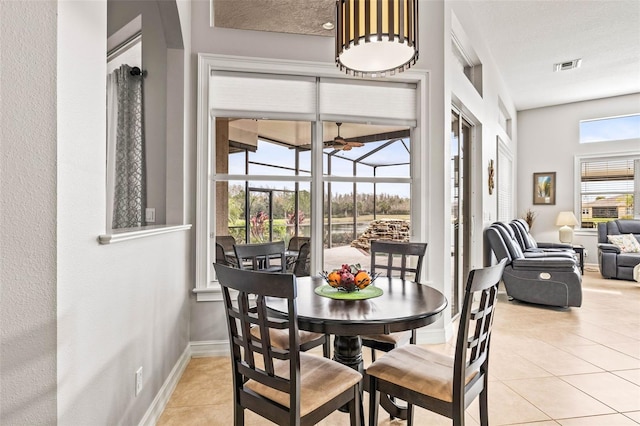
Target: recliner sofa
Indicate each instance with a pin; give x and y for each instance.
(530, 245)
(545, 280)
(613, 263)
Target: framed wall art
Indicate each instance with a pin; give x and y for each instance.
(544, 188)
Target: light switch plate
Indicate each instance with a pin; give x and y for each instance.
(150, 214)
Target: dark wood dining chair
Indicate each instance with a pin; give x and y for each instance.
(394, 259)
(284, 386)
(261, 256)
(258, 257)
(438, 382)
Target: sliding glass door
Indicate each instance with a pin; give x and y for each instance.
(460, 206)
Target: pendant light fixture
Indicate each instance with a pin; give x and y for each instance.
(376, 37)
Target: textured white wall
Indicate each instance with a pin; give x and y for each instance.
(120, 306)
(27, 213)
(549, 142)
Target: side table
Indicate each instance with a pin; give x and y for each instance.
(579, 249)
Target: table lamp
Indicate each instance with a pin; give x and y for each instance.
(566, 220)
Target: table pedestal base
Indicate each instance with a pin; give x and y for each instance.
(347, 350)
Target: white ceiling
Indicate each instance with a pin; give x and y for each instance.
(526, 37)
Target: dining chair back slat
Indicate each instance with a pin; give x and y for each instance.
(261, 256)
(270, 380)
(393, 258)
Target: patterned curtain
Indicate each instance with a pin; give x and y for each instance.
(130, 192)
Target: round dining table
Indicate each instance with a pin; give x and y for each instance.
(403, 305)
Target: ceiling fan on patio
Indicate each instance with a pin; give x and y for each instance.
(341, 144)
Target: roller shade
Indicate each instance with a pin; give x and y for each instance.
(384, 102)
(265, 95)
(248, 95)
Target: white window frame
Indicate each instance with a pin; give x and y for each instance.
(581, 139)
(600, 157)
(207, 289)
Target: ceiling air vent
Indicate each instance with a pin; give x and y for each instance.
(568, 65)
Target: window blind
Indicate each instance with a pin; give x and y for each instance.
(505, 184)
(608, 189)
(250, 95)
(384, 102)
(607, 176)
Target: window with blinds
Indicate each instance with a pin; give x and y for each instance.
(608, 189)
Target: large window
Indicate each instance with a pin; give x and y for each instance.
(272, 200)
(373, 194)
(263, 192)
(272, 164)
(609, 189)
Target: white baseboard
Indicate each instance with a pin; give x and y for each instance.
(160, 401)
(206, 348)
(193, 350)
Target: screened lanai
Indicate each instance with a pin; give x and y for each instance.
(264, 172)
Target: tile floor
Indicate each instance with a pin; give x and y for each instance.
(549, 366)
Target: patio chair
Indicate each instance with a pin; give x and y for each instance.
(394, 258)
(301, 265)
(293, 249)
(226, 241)
(284, 386)
(221, 257)
(437, 382)
(224, 248)
(296, 242)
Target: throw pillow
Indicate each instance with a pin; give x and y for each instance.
(627, 243)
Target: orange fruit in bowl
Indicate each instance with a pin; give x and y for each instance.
(334, 279)
(362, 279)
